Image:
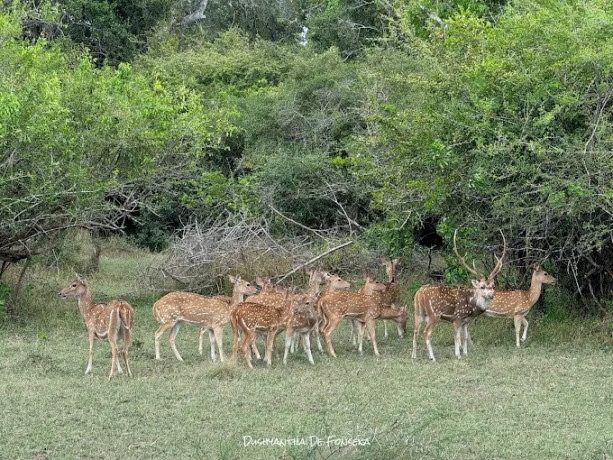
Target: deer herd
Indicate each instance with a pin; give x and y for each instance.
(314, 312)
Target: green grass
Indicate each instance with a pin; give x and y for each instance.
(550, 399)
(542, 400)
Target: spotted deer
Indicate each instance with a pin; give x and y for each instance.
(390, 296)
(251, 317)
(384, 313)
(457, 305)
(361, 305)
(516, 304)
(208, 312)
(111, 321)
(302, 321)
(335, 283)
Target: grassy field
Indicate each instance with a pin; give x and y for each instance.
(551, 399)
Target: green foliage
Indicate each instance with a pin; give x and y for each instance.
(77, 141)
(112, 31)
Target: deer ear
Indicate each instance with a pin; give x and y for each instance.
(396, 261)
(259, 281)
(232, 279)
(475, 283)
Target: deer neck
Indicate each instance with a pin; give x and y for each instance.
(86, 304)
(237, 297)
(535, 290)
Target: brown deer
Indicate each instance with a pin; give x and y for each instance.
(456, 305)
(390, 296)
(253, 317)
(361, 305)
(384, 313)
(335, 283)
(111, 321)
(302, 321)
(517, 304)
(208, 312)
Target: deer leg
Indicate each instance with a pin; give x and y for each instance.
(306, 342)
(218, 335)
(457, 337)
(330, 326)
(201, 339)
(172, 337)
(400, 331)
(385, 329)
(112, 334)
(158, 334)
(352, 333)
(289, 340)
(212, 342)
(296, 338)
(370, 327)
(318, 337)
(465, 341)
(428, 335)
(248, 337)
(416, 328)
(270, 343)
(256, 352)
(517, 320)
(90, 362)
(126, 345)
(360, 328)
(524, 321)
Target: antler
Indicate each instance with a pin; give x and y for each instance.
(462, 261)
(499, 261)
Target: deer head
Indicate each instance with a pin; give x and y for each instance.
(77, 288)
(483, 286)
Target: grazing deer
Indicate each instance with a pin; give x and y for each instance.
(456, 305)
(210, 313)
(517, 304)
(361, 305)
(111, 321)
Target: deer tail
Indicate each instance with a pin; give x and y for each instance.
(126, 314)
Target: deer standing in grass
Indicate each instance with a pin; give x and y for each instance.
(361, 305)
(456, 305)
(303, 319)
(516, 304)
(111, 321)
(252, 317)
(390, 296)
(211, 313)
(266, 287)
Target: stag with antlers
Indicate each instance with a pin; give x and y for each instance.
(112, 321)
(456, 305)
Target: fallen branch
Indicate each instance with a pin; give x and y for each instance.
(329, 251)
